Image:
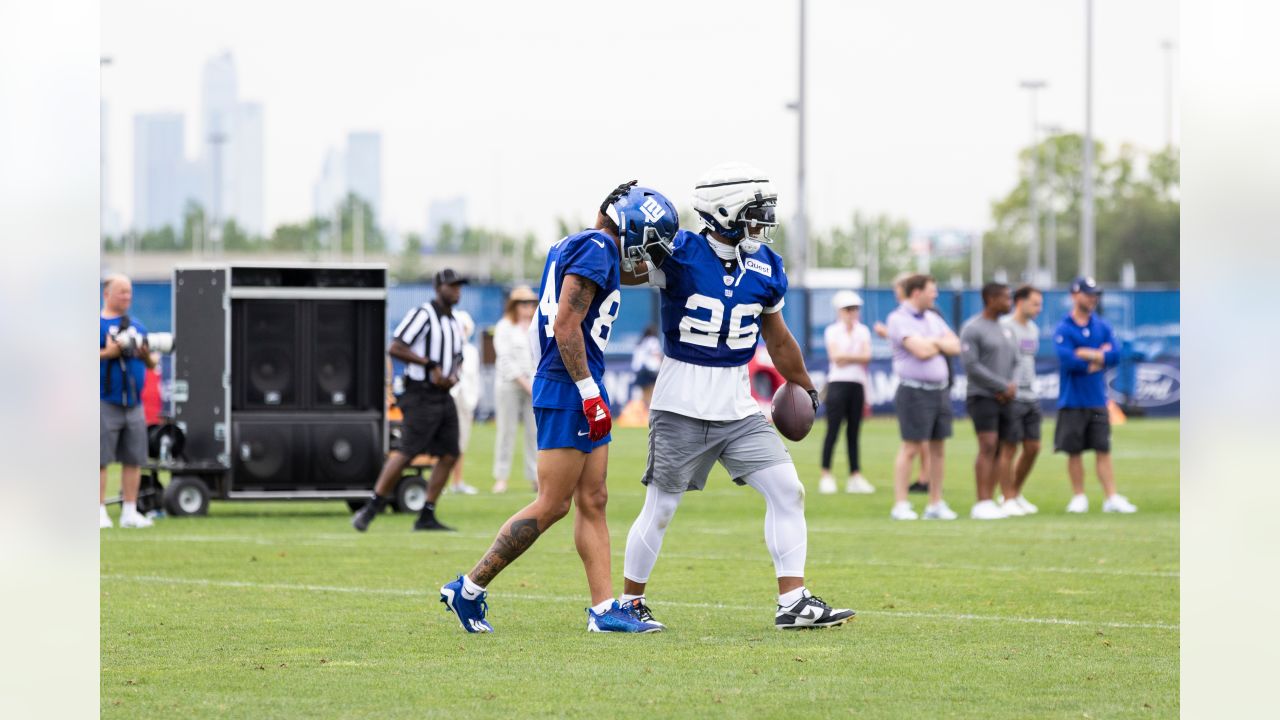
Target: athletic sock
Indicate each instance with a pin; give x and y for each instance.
(428, 512)
(625, 598)
(786, 600)
(129, 509)
(470, 590)
(603, 607)
(380, 502)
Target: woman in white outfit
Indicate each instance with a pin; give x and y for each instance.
(466, 395)
(513, 388)
(848, 344)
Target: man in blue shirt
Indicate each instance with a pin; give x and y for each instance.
(1086, 347)
(123, 361)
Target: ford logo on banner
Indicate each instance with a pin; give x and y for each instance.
(1152, 385)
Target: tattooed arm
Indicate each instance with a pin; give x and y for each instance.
(576, 294)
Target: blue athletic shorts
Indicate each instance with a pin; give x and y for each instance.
(561, 428)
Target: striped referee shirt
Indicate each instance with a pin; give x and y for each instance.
(432, 332)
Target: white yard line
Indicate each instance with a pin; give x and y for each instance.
(243, 584)
(347, 541)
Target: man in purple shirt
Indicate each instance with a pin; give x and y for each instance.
(921, 342)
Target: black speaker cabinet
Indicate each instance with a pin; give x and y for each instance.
(306, 452)
(280, 375)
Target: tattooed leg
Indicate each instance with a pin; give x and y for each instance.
(558, 473)
(513, 539)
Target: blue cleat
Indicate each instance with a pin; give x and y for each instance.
(616, 619)
(470, 612)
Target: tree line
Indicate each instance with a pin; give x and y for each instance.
(1136, 220)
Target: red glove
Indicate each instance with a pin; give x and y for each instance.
(598, 418)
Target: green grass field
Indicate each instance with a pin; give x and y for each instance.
(277, 610)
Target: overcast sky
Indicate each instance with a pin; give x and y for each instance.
(536, 110)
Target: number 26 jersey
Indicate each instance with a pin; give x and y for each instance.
(593, 255)
(711, 325)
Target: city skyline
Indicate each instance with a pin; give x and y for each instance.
(919, 119)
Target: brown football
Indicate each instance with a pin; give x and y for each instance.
(792, 411)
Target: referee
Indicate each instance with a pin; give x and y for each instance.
(429, 342)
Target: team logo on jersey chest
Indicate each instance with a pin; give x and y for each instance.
(762, 268)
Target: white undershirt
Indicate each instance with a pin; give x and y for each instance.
(702, 392)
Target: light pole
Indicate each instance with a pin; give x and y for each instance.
(1051, 233)
(216, 141)
(1087, 240)
(1167, 47)
(801, 230)
(1033, 251)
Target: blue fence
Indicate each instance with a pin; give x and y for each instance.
(1146, 321)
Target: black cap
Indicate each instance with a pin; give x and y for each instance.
(447, 276)
(1086, 285)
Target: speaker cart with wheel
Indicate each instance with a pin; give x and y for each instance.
(278, 386)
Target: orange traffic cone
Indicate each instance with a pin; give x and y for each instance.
(1115, 413)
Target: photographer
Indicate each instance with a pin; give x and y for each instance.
(124, 358)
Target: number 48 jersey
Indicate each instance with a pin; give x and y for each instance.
(710, 327)
(593, 255)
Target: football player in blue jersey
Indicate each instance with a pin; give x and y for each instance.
(580, 300)
(720, 289)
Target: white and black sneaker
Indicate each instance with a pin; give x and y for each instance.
(810, 612)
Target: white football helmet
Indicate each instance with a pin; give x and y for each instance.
(738, 202)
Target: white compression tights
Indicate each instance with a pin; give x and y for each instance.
(644, 541)
(785, 532)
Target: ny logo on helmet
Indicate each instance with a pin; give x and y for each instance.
(653, 212)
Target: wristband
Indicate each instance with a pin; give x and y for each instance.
(588, 389)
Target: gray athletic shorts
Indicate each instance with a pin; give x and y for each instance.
(122, 434)
(923, 414)
(683, 449)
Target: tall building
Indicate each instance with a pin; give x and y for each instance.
(159, 171)
(231, 147)
(364, 168)
(451, 212)
(246, 158)
(331, 187)
(357, 169)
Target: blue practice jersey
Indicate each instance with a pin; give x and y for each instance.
(1077, 387)
(594, 256)
(710, 318)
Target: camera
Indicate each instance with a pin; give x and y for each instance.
(131, 341)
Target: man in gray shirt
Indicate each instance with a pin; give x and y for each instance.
(989, 354)
(1024, 427)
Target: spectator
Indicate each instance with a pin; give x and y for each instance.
(123, 361)
(848, 344)
(1025, 409)
(921, 485)
(513, 388)
(1085, 348)
(645, 361)
(921, 342)
(466, 395)
(989, 354)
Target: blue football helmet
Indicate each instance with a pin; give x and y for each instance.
(647, 223)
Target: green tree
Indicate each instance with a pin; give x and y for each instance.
(866, 241)
(409, 267)
(1136, 214)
